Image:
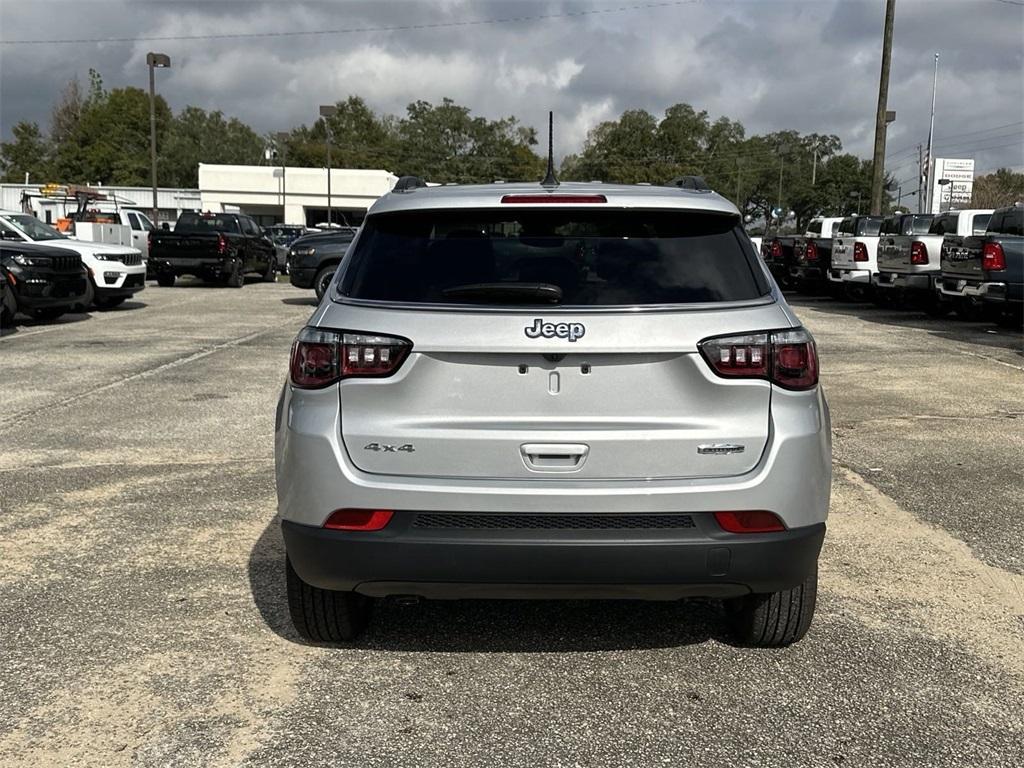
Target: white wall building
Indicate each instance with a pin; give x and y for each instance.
(293, 195)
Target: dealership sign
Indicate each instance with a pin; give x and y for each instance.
(957, 193)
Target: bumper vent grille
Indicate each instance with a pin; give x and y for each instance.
(551, 522)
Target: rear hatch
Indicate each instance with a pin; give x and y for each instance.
(554, 344)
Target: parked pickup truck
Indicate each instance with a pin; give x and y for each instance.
(780, 259)
(987, 269)
(313, 259)
(44, 282)
(908, 255)
(217, 247)
(855, 254)
(812, 253)
(116, 272)
(136, 224)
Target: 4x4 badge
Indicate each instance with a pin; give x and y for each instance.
(570, 331)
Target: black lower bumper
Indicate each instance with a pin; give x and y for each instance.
(47, 290)
(302, 277)
(664, 564)
(205, 268)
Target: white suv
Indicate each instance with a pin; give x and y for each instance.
(115, 272)
(581, 390)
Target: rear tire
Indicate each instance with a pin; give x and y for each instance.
(236, 278)
(165, 279)
(775, 619)
(324, 615)
(323, 280)
(270, 275)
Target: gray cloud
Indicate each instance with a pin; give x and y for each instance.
(810, 66)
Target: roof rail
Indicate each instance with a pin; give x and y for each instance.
(409, 184)
(693, 183)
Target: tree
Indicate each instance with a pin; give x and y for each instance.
(999, 189)
(27, 153)
(196, 136)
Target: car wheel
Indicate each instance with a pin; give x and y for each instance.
(270, 274)
(165, 279)
(236, 278)
(775, 619)
(109, 303)
(323, 280)
(324, 615)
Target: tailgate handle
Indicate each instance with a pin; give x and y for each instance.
(554, 457)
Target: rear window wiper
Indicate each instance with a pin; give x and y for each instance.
(520, 293)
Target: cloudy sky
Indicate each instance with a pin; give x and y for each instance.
(809, 65)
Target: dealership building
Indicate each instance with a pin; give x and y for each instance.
(267, 193)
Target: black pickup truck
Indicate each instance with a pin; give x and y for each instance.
(984, 274)
(217, 247)
(313, 259)
(41, 282)
(780, 258)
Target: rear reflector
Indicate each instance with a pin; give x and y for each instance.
(918, 253)
(753, 521)
(564, 199)
(992, 257)
(359, 519)
(787, 358)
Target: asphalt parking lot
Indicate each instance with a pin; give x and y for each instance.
(143, 618)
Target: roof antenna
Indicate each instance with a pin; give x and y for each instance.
(549, 179)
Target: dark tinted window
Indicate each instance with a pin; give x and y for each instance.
(191, 223)
(868, 227)
(918, 224)
(980, 223)
(1012, 223)
(814, 228)
(589, 258)
(943, 225)
(846, 227)
(890, 226)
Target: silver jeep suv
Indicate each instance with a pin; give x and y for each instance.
(573, 391)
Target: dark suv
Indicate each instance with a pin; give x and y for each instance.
(313, 259)
(44, 282)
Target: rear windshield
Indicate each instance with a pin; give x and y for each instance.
(944, 225)
(846, 227)
(576, 257)
(868, 227)
(814, 228)
(920, 225)
(191, 223)
(980, 223)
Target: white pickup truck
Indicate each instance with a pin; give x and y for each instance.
(909, 259)
(133, 228)
(116, 272)
(855, 254)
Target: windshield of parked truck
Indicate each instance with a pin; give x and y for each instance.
(33, 227)
(199, 223)
(566, 257)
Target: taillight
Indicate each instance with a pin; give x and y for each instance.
(786, 358)
(992, 257)
(222, 243)
(752, 521)
(776, 249)
(811, 252)
(321, 357)
(358, 519)
(918, 253)
(860, 252)
(149, 239)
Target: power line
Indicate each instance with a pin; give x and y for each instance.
(358, 30)
(946, 139)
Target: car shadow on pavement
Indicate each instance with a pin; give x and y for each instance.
(301, 301)
(22, 322)
(496, 626)
(128, 306)
(952, 328)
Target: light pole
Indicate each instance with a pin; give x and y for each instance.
(327, 111)
(154, 60)
(281, 139)
(931, 137)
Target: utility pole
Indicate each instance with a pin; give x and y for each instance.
(738, 203)
(281, 140)
(929, 159)
(920, 179)
(154, 61)
(878, 169)
(328, 111)
(814, 165)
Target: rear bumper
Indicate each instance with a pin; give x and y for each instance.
(839, 275)
(807, 272)
(205, 266)
(904, 281)
(404, 559)
(997, 292)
